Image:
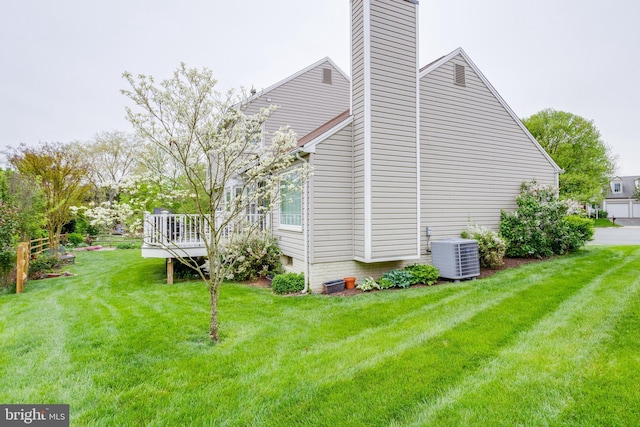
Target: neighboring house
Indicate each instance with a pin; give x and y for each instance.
(400, 155)
(621, 201)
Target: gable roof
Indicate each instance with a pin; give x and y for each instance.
(308, 142)
(459, 51)
(326, 59)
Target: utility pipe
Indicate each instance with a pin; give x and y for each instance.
(305, 227)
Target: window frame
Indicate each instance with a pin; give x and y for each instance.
(289, 178)
(617, 187)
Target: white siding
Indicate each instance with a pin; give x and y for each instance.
(305, 102)
(474, 155)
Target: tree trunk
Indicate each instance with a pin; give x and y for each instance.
(214, 292)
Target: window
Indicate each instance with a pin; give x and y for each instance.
(326, 75)
(459, 77)
(291, 200)
(617, 187)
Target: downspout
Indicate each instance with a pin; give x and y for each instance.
(305, 226)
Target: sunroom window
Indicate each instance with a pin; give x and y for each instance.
(291, 200)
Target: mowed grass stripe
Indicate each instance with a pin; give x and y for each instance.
(534, 380)
(450, 340)
(422, 364)
(609, 391)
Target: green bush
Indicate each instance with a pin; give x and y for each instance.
(41, 265)
(598, 214)
(540, 226)
(256, 256)
(126, 245)
(422, 273)
(9, 224)
(572, 234)
(75, 239)
(288, 283)
(491, 248)
(399, 278)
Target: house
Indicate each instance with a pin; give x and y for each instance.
(401, 155)
(621, 201)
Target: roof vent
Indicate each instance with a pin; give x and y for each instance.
(326, 75)
(459, 74)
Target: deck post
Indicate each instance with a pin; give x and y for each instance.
(169, 271)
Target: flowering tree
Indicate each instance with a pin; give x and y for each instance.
(111, 157)
(106, 215)
(210, 142)
(543, 224)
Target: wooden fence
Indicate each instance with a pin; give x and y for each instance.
(38, 246)
(22, 265)
(24, 252)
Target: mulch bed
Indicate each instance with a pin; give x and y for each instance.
(508, 263)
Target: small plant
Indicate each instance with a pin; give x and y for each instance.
(41, 265)
(422, 273)
(491, 248)
(288, 283)
(399, 278)
(385, 283)
(368, 284)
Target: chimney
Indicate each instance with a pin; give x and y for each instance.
(384, 91)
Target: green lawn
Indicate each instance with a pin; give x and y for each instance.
(551, 343)
(604, 223)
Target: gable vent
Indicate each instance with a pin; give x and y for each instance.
(326, 75)
(459, 74)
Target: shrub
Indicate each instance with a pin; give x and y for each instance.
(288, 283)
(126, 245)
(368, 284)
(538, 227)
(75, 239)
(399, 278)
(572, 234)
(491, 248)
(256, 256)
(421, 273)
(598, 214)
(9, 223)
(41, 265)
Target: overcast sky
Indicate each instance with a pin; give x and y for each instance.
(62, 61)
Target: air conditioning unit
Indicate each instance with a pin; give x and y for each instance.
(456, 258)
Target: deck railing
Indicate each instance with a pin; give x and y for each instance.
(190, 231)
